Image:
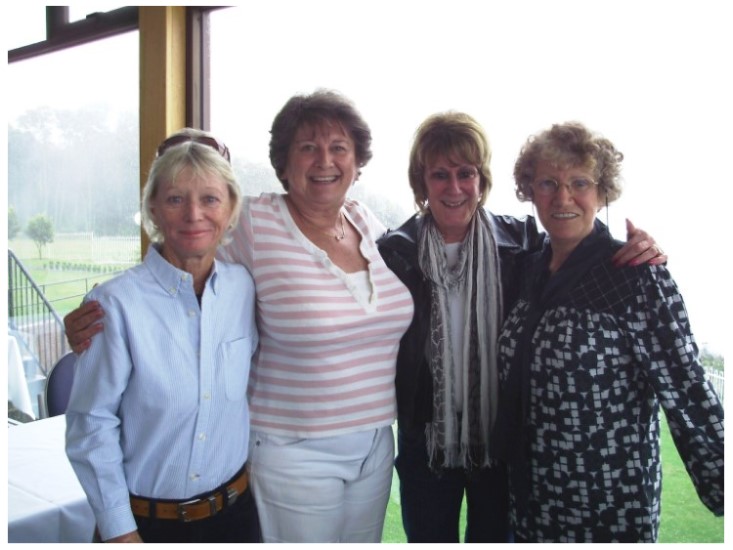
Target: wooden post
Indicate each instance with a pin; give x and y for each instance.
(163, 78)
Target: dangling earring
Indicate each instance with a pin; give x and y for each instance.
(607, 224)
(536, 217)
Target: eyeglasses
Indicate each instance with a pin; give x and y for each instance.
(464, 174)
(204, 140)
(548, 187)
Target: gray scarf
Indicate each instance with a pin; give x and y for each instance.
(460, 438)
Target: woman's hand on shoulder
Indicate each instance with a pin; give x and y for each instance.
(82, 324)
(640, 248)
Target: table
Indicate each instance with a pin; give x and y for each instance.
(17, 386)
(45, 501)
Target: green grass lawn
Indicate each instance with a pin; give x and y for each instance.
(65, 288)
(684, 517)
(79, 248)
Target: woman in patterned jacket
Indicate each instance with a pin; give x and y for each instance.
(587, 355)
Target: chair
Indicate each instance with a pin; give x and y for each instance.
(58, 385)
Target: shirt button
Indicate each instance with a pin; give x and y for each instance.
(194, 477)
(202, 437)
(191, 313)
(207, 395)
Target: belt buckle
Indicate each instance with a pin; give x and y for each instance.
(232, 495)
(181, 510)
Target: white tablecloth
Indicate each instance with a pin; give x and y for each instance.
(17, 387)
(45, 501)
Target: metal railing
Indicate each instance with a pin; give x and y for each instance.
(29, 312)
(717, 380)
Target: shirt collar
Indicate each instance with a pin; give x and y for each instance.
(172, 279)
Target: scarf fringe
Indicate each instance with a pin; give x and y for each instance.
(468, 458)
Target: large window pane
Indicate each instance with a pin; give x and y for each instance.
(73, 170)
(652, 77)
(24, 24)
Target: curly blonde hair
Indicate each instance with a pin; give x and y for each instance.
(570, 145)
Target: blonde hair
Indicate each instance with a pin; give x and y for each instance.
(457, 136)
(203, 159)
(570, 145)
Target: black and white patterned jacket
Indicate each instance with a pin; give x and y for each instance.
(587, 356)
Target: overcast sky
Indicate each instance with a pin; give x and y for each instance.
(653, 76)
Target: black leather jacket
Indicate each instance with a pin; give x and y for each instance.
(399, 249)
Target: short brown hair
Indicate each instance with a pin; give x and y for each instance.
(320, 107)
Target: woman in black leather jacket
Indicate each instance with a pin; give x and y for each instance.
(451, 255)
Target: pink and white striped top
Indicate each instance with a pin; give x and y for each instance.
(326, 363)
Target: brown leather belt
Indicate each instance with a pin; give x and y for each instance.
(195, 509)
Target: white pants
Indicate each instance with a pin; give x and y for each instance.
(333, 489)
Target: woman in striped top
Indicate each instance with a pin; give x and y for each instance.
(330, 316)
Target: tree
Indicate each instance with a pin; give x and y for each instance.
(40, 229)
(711, 359)
(79, 166)
(13, 223)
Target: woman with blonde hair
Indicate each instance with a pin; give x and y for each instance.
(158, 419)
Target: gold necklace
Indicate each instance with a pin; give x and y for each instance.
(338, 237)
(343, 231)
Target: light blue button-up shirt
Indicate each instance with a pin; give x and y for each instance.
(159, 407)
